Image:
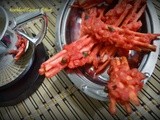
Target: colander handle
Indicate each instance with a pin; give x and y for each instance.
(24, 18)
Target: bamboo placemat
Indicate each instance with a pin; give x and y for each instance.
(57, 98)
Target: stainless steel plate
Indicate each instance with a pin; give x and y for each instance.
(68, 25)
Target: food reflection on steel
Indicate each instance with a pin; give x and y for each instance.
(21, 45)
(106, 38)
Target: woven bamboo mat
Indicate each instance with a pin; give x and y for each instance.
(57, 98)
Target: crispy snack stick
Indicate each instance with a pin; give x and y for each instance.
(123, 85)
(95, 31)
(74, 55)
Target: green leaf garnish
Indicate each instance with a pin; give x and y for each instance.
(63, 61)
(85, 54)
(111, 29)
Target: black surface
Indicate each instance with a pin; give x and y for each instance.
(27, 84)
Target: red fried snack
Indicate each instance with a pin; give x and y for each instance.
(86, 4)
(102, 36)
(116, 28)
(124, 84)
(74, 55)
(106, 35)
(117, 36)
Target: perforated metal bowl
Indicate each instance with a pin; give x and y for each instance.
(68, 25)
